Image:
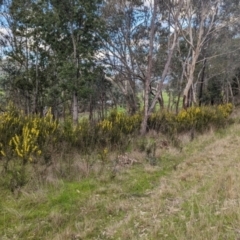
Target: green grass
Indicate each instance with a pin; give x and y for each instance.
(52, 208)
(33, 210)
(165, 100)
(192, 194)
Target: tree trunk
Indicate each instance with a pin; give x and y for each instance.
(169, 100)
(131, 104)
(74, 94)
(90, 109)
(231, 92)
(177, 104)
(173, 36)
(149, 71)
(202, 83)
(36, 91)
(197, 39)
(190, 74)
(75, 108)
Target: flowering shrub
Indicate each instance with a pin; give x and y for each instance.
(202, 117)
(163, 121)
(125, 123)
(27, 136)
(194, 117)
(25, 145)
(24, 138)
(225, 109)
(117, 125)
(105, 125)
(87, 136)
(10, 125)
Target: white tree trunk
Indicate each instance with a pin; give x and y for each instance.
(149, 70)
(75, 108)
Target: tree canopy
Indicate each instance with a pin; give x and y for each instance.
(86, 56)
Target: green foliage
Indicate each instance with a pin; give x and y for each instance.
(81, 136)
(27, 139)
(23, 139)
(201, 118)
(27, 136)
(197, 118)
(57, 58)
(213, 92)
(111, 131)
(118, 125)
(225, 109)
(163, 121)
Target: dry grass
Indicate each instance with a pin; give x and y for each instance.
(200, 200)
(190, 194)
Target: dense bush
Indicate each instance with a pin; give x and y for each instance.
(197, 118)
(117, 126)
(23, 139)
(163, 121)
(80, 136)
(111, 131)
(25, 136)
(201, 118)
(26, 139)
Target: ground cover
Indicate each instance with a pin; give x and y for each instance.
(192, 193)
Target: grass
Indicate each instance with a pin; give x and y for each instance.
(65, 208)
(165, 96)
(190, 194)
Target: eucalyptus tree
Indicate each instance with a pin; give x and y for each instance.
(227, 50)
(76, 28)
(54, 43)
(138, 32)
(201, 24)
(198, 20)
(223, 66)
(174, 8)
(29, 63)
(73, 30)
(20, 54)
(125, 49)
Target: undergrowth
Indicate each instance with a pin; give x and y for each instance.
(192, 193)
(30, 144)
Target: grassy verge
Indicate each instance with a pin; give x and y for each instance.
(79, 209)
(192, 194)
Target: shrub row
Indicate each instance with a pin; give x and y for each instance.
(26, 137)
(197, 118)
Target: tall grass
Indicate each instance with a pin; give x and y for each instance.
(30, 143)
(188, 194)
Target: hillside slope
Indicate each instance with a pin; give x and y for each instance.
(192, 194)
